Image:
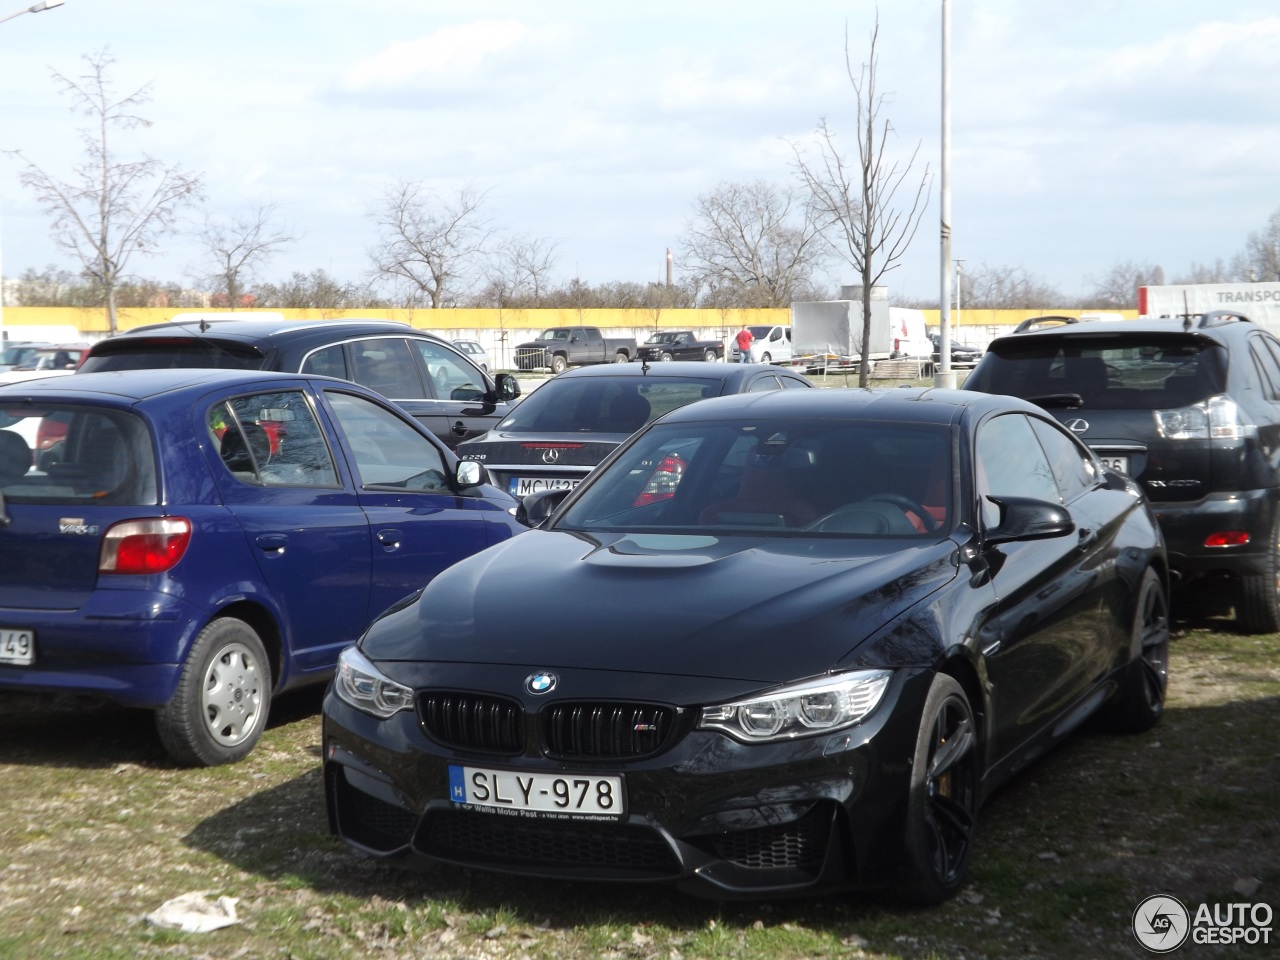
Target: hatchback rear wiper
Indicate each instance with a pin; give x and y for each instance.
(1069, 401)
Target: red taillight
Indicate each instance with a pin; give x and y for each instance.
(663, 481)
(1227, 538)
(144, 546)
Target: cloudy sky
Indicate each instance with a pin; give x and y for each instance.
(1084, 132)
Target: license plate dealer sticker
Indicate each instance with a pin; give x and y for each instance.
(538, 794)
(17, 647)
(523, 486)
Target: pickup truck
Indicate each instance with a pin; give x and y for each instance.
(559, 348)
(679, 345)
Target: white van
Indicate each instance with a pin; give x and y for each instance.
(909, 335)
(772, 344)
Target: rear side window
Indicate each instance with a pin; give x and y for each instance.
(1117, 373)
(272, 440)
(172, 352)
(73, 454)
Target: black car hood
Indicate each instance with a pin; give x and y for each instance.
(763, 609)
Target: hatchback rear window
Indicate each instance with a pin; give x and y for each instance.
(73, 454)
(173, 352)
(1117, 373)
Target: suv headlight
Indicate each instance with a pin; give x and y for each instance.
(1218, 418)
(803, 709)
(361, 684)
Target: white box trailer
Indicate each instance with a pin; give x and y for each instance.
(829, 333)
(1260, 302)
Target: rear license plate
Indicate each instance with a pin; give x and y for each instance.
(18, 647)
(1119, 464)
(538, 794)
(523, 486)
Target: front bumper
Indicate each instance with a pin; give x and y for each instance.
(711, 815)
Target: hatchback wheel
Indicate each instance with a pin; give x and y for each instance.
(1258, 606)
(1139, 703)
(942, 805)
(224, 695)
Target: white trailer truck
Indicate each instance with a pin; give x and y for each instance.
(827, 334)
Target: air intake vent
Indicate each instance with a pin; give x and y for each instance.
(605, 731)
(472, 721)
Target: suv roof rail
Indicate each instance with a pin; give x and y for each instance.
(1033, 323)
(1216, 318)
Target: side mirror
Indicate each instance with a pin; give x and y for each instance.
(469, 473)
(534, 509)
(507, 386)
(1024, 518)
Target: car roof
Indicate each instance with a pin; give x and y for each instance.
(257, 330)
(1218, 325)
(906, 404)
(133, 385)
(683, 369)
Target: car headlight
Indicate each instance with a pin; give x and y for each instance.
(804, 709)
(361, 684)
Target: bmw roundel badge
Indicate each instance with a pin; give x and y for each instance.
(540, 683)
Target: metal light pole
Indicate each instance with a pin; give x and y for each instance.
(34, 8)
(959, 287)
(945, 377)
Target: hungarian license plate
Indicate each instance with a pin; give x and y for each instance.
(17, 647)
(538, 794)
(523, 486)
(1119, 464)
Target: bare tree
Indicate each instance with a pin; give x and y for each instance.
(753, 243)
(238, 245)
(111, 208)
(1118, 287)
(1216, 272)
(857, 204)
(432, 246)
(1260, 259)
(1007, 288)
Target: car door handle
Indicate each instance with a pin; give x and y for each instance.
(388, 538)
(1087, 537)
(272, 543)
(459, 429)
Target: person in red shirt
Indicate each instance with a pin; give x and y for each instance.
(745, 339)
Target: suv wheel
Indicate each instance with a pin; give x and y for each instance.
(1258, 607)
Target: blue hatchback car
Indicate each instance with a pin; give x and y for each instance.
(193, 541)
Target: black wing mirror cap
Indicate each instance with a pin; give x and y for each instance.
(1025, 518)
(507, 387)
(535, 509)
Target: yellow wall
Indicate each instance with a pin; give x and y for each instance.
(1009, 318)
(94, 322)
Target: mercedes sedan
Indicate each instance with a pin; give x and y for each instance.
(776, 643)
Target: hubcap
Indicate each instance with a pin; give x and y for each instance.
(232, 695)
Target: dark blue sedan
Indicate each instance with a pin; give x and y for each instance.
(194, 541)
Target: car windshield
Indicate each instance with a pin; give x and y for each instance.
(662, 338)
(1114, 373)
(825, 478)
(604, 404)
(72, 454)
(173, 352)
(554, 335)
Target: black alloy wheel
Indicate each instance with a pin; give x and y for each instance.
(942, 805)
(1258, 605)
(1139, 703)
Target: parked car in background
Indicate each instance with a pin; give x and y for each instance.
(559, 348)
(196, 541)
(476, 351)
(777, 643)
(772, 344)
(425, 374)
(569, 424)
(963, 356)
(1190, 408)
(16, 354)
(668, 345)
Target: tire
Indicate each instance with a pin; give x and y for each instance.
(1258, 604)
(766, 358)
(220, 707)
(710, 356)
(621, 357)
(942, 804)
(1139, 703)
(666, 357)
(559, 364)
